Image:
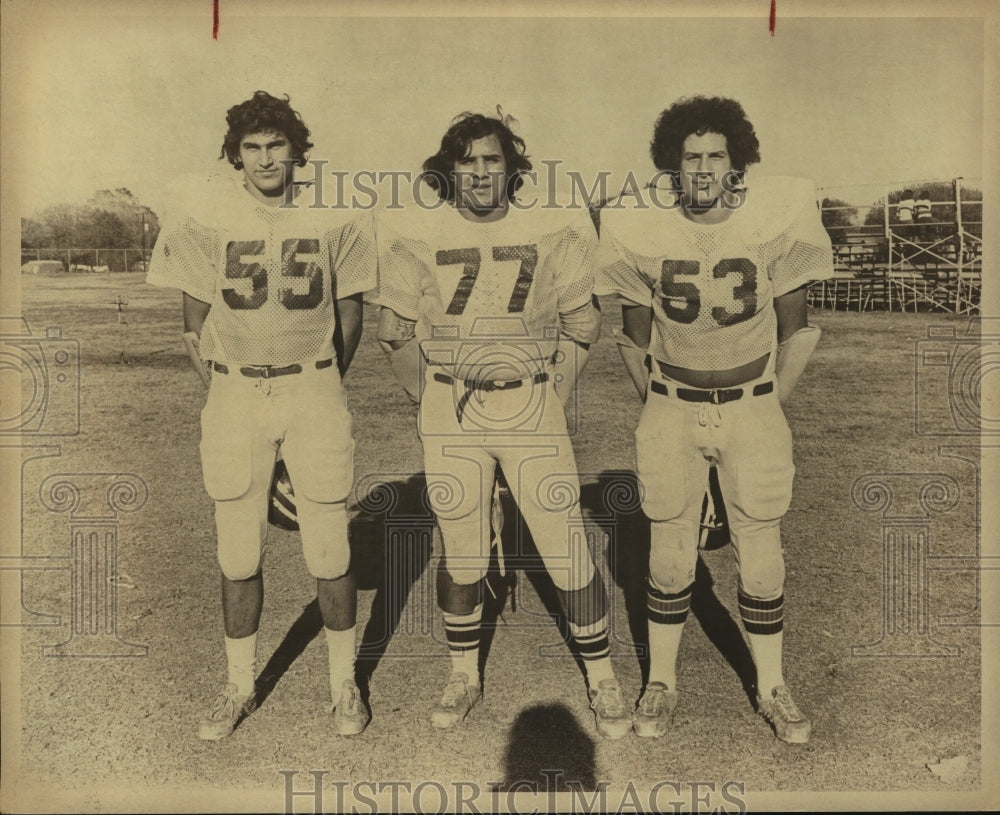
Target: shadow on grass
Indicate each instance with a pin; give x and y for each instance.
(548, 752)
(391, 542)
(390, 538)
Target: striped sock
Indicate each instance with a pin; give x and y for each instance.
(463, 633)
(667, 609)
(762, 616)
(591, 642)
(666, 615)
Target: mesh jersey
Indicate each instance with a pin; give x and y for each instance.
(712, 286)
(270, 274)
(486, 298)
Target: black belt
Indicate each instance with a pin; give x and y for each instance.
(472, 385)
(269, 371)
(719, 396)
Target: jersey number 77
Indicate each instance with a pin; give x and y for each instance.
(471, 261)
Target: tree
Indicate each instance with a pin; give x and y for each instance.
(837, 215)
(111, 219)
(942, 199)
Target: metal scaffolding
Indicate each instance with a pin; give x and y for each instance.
(931, 262)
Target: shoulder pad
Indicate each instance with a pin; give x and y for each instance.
(773, 203)
(643, 223)
(200, 196)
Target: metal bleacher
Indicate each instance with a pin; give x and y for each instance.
(935, 265)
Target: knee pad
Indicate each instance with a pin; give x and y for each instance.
(466, 546)
(759, 555)
(325, 544)
(453, 498)
(562, 544)
(673, 554)
(241, 535)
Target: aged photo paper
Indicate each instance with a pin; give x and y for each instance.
(110, 619)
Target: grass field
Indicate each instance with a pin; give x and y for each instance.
(110, 733)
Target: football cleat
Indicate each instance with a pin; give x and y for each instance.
(281, 511)
(784, 715)
(458, 698)
(613, 721)
(350, 713)
(227, 711)
(654, 711)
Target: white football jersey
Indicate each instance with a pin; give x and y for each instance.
(271, 274)
(712, 286)
(486, 297)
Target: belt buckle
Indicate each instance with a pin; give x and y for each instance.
(716, 398)
(265, 372)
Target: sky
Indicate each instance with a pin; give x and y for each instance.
(136, 95)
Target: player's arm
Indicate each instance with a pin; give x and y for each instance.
(633, 343)
(637, 323)
(397, 337)
(347, 333)
(578, 328)
(796, 340)
(195, 313)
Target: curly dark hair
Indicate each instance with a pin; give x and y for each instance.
(700, 115)
(264, 113)
(455, 144)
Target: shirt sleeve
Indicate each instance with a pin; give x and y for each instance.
(618, 272)
(354, 257)
(398, 274)
(574, 264)
(184, 258)
(809, 253)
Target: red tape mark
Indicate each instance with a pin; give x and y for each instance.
(774, 15)
(215, 18)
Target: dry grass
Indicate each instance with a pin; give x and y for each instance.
(130, 724)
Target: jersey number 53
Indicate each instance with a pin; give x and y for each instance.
(682, 298)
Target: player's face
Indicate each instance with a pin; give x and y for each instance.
(704, 164)
(267, 165)
(481, 177)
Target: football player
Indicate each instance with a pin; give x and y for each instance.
(488, 308)
(273, 290)
(713, 277)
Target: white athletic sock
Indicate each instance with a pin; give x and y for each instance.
(241, 656)
(666, 614)
(763, 620)
(340, 645)
(766, 651)
(664, 643)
